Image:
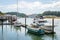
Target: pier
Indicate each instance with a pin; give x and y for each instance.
(9, 18)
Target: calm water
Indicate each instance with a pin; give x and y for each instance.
(9, 32)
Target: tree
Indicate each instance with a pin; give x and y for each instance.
(55, 13)
(1, 13)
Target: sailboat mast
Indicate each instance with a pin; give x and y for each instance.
(17, 8)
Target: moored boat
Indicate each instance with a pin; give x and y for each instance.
(47, 29)
(36, 31)
(41, 24)
(17, 24)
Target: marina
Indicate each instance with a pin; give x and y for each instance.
(10, 32)
(29, 20)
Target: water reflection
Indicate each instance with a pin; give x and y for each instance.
(17, 28)
(51, 36)
(22, 33)
(2, 33)
(42, 37)
(35, 37)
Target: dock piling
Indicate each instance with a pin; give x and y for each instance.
(52, 25)
(25, 21)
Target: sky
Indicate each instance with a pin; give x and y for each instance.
(29, 6)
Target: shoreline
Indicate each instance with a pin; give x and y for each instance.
(52, 17)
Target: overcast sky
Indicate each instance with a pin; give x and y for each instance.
(29, 6)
